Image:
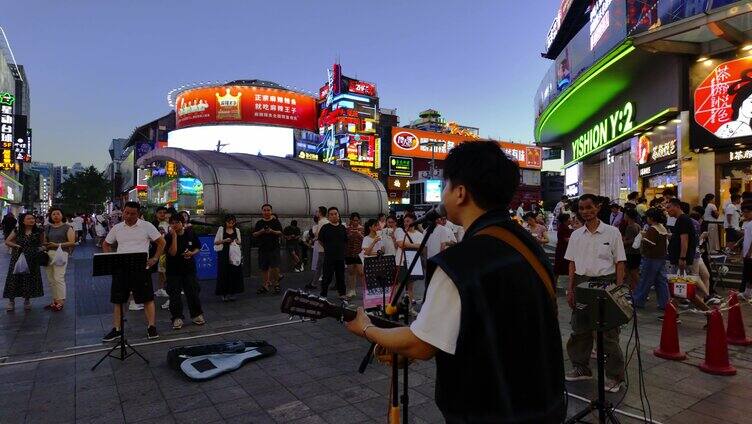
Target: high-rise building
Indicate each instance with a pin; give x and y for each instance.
(348, 123)
(60, 175)
(46, 186)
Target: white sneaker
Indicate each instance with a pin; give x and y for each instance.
(161, 293)
(177, 324)
(133, 306)
(166, 305)
(612, 386)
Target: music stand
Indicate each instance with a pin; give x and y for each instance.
(379, 271)
(122, 265)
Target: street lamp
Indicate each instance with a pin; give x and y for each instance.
(433, 144)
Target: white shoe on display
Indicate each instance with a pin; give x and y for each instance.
(161, 293)
(166, 305)
(133, 306)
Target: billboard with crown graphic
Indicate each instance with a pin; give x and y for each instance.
(245, 104)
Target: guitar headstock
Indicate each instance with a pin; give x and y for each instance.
(306, 305)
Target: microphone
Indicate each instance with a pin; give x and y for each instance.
(436, 212)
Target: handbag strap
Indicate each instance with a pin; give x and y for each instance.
(507, 237)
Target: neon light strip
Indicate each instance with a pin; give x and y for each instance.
(599, 67)
(657, 117)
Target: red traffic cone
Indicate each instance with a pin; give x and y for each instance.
(716, 351)
(735, 334)
(669, 348)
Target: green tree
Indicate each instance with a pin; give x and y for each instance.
(85, 191)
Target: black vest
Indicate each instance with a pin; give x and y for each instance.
(508, 365)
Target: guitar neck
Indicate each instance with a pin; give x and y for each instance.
(349, 315)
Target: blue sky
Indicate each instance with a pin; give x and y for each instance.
(97, 69)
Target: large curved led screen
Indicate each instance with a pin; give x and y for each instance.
(251, 139)
(245, 104)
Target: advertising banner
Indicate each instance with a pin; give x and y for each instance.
(643, 15)
(400, 167)
(245, 104)
(206, 260)
(407, 142)
(720, 101)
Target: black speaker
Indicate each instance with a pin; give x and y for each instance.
(616, 304)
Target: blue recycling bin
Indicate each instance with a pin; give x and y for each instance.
(206, 260)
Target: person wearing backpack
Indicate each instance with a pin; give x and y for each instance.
(60, 238)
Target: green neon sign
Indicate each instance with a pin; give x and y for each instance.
(7, 98)
(615, 125)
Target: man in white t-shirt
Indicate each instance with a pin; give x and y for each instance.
(493, 286)
(131, 236)
(732, 215)
(441, 238)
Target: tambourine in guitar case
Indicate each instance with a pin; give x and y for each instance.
(204, 362)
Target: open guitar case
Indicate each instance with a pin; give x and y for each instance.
(204, 362)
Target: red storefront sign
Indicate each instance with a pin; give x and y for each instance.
(723, 101)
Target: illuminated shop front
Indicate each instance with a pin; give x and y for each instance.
(627, 91)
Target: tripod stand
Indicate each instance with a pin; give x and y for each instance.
(604, 407)
(123, 345)
(392, 311)
(119, 264)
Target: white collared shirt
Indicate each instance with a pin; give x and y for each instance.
(134, 238)
(596, 254)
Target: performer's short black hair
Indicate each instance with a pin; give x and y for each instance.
(487, 173)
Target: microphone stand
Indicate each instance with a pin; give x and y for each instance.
(392, 312)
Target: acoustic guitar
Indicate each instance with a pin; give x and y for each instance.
(305, 305)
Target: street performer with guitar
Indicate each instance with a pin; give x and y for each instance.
(489, 315)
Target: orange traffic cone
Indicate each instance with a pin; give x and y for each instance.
(669, 348)
(716, 351)
(735, 334)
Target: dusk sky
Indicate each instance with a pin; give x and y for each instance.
(97, 69)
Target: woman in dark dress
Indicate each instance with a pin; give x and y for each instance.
(563, 232)
(27, 239)
(229, 276)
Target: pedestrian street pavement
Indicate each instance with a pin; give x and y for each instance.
(45, 361)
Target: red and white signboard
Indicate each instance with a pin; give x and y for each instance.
(362, 87)
(239, 104)
(723, 101)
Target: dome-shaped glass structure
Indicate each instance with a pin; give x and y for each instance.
(240, 183)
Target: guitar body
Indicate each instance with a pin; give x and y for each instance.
(204, 362)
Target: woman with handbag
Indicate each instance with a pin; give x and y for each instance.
(25, 242)
(60, 240)
(229, 272)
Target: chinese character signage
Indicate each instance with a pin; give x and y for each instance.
(723, 100)
(740, 155)
(413, 143)
(400, 167)
(7, 120)
(245, 104)
(21, 144)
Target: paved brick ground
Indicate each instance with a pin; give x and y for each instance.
(312, 379)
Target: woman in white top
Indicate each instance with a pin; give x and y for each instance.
(408, 240)
(372, 244)
(388, 236)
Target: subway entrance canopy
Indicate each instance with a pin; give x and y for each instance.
(239, 183)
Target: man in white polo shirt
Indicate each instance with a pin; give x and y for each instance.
(595, 253)
(131, 236)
